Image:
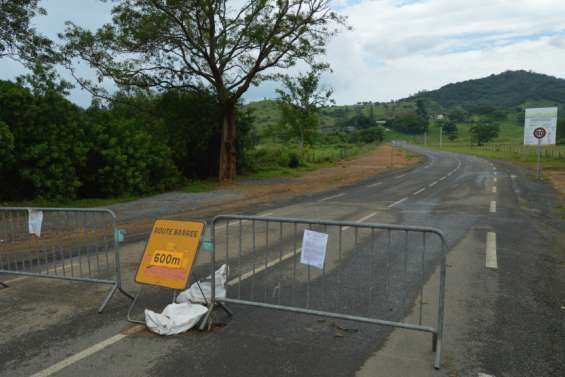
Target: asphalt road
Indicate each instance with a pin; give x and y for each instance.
(504, 320)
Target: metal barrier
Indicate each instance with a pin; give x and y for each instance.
(372, 273)
(72, 244)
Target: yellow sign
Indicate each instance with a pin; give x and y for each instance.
(170, 253)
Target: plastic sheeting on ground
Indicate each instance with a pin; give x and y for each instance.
(175, 319)
(201, 292)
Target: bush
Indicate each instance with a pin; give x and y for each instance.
(293, 160)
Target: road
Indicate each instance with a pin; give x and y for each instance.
(505, 302)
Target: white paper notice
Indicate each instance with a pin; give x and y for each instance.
(35, 220)
(314, 246)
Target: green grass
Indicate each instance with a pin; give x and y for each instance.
(200, 186)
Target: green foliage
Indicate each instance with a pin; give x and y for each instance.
(6, 148)
(409, 123)
(560, 132)
(506, 90)
(299, 103)
(371, 135)
(141, 143)
(484, 132)
(18, 39)
(47, 143)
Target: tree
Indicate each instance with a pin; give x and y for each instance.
(299, 103)
(18, 40)
(560, 132)
(204, 43)
(484, 132)
(422, 114)
(450, 130)
(408, 122)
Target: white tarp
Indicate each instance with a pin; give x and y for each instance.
(175, 319)
(314, 246)
(35, 221)
(194, 293)
(544, 117)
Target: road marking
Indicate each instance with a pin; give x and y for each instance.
(262, 268)
(375, 184)
(419, 191)
(495, 179)
(494, 174)
(332, 197)
(399, 176)
(490, 261)
(79, 356)
(485, 375)
(433, 184)
(442, 178)
(493, 188)
(492, 206)
(233, 223)
(397, 202)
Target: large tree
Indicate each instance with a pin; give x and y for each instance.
(18, 39)
(204, 43)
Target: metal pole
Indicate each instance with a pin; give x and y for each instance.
(440, 136)
(426, 137)
(391, 154)
(538, 152)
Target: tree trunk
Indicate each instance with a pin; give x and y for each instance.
(228, 156)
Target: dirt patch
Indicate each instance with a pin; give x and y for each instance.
(557, 179)
(343, 173)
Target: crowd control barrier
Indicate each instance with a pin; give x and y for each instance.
(371, 273)
(61, 243)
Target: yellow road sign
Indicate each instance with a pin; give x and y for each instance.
(170, 253)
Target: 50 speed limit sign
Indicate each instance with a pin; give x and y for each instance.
(539, 133)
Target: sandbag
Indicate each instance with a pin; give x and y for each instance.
(175, 319)
(195, 293)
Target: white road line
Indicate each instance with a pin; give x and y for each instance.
(375, 184)
(442, 178)
(332, 197)
(366, 217)
(233, 223)
(493, 188)
(495, 179)
(419, 191)
(261, 268)
(490, 260)
(485, 375)
(433, 184)
(397, 202)
(79, 356)
(399, 176)
(494, 174)
(492, 206)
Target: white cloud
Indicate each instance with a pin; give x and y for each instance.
(398, 47)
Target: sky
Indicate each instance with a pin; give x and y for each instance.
(395, 48)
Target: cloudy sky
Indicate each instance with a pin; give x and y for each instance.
(397, 47)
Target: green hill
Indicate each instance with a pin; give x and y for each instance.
(510, 89)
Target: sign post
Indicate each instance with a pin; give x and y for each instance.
(539, 133)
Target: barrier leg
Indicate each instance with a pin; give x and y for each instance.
(108, 298)
(132, 305)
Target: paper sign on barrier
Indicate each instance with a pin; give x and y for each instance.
(170, 253)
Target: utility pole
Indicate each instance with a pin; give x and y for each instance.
(440, 135)
(426, 137)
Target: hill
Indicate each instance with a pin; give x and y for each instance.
(509, 89)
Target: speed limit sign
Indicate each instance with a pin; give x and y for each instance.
(539, 133)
